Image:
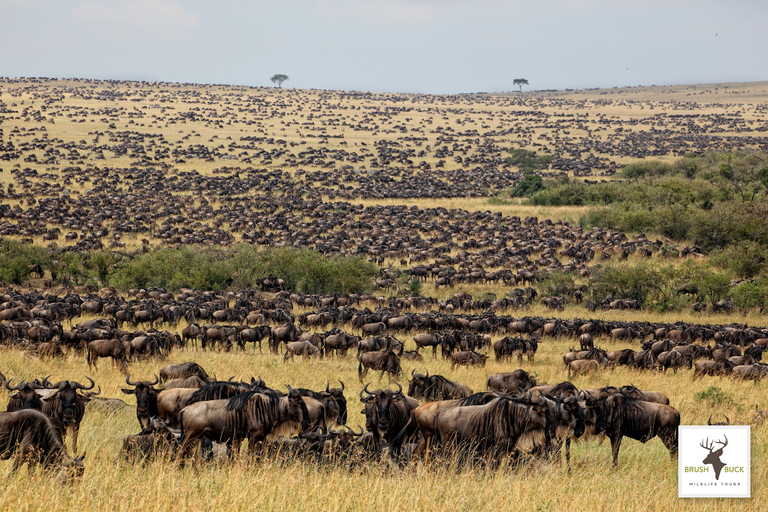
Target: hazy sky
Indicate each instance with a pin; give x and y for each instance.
(422, 46)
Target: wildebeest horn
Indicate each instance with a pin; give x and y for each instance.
(16, 388)
(427, 374)
(342, 385)
(80, 386)
(709, 421)
(289, 389)
(157, 379)
(128, 381)
(229, 380)
(400, 390)
(327, 386)
(412, 370)
(727, 421)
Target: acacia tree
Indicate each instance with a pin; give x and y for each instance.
(520, 82)
(279, 79)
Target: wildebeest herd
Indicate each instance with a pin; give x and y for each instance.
(292, 170)
(186, 414)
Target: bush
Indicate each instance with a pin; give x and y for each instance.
(638, 282)
(556, 283)
(530, 184)
(745, 258)
(750, 295)
(17, 259)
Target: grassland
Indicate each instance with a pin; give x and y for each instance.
(645, 479)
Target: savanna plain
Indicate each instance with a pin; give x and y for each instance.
(113, 187)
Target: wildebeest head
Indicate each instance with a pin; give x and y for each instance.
(297, 409)
(68, 403)
(384, 401)
(25, 396)
(146, 398)
(418, 384)
(337, 394)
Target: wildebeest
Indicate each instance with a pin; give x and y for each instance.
(384, 361)
(283, 333)
(496, 428)
(435, 387)
(25, 396)
(182, 371)
(301, 348)
(427, 340)
(511, 382)
(673, 359)
(253, 335)
(468, 358)
(106, 348)
(620, 415)
(66, 407)
(251, 415)
(386, 412)
(171, 401)
(334, 402)
(340, 342)
(582, 367)
(30, 436)
(189, 382)
(146, 399)
(157, 439)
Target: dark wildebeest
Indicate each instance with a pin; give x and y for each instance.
(565, 421)
(467, 358)
(30, 436)
(282, 333)
(435, 387)
(156, 440)
(384, 361)
(511, 382)
(673, 359)
(624, 357)
(496, 428)
(66, 407)
(723, 423)
(106, 348)
(427, 340)
(386, 412)
(334, 402)
(586, 342)
(340, 343)
(253, 335)
(621, 416)
(25, 396)
(423, 420)
(190, 382)
(251, 415)
(182, 371)
(301, 348)
(146, 399)
(562, 390)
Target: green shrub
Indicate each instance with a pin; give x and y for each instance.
(637, 281)
(17, 259)
(715, 396)
(750, 295)
(744, 258)
(556, 283)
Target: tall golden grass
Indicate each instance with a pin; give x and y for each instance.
(644, 480)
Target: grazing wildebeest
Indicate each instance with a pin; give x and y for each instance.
(467, 358)
(384, 361)
(511, 382)
(621, 416)
(496, 428)
(251, 415)
(435, 387)
(582, 367)
(340, 343)
(106, 348)
(156, 440)
(673, 359)
(253, 335)
(586, 342)
(146, 399)
(66, 407)
(30, 436)
(182, 371)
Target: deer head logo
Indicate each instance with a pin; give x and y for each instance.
(714, 455)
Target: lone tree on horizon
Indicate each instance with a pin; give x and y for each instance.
(279, 79)
(520, 82)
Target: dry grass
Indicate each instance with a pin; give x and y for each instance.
(646, 478)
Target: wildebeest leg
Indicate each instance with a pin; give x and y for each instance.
(185, 448)
(568, 453)
(615, 445)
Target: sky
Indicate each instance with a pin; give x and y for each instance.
(406, 46)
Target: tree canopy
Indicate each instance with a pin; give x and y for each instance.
(279, 79)
(520, 82)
